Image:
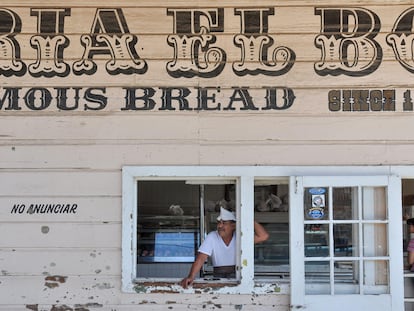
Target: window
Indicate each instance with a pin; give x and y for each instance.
(167, 216)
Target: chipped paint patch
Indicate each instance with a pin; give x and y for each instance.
(76, 307)
(53, 281)
(140, 288)
(103, 286)
(87, 305)
(244, 263)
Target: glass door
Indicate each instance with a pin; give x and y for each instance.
(343, 249)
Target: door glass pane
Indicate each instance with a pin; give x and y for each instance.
(374, 200)
(346, 277)
(376, 280)
(375, 240)
(345, 203)
(316, 202)
(316, 240)
(345, 240)
(317, 275)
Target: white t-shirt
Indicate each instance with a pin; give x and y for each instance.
(220, 253)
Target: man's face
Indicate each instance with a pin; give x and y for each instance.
(226, 228)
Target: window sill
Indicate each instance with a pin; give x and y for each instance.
(173, 286)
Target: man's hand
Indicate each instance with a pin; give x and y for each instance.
(186, 282)
(195, 268)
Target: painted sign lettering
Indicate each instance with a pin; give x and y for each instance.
(346, 41)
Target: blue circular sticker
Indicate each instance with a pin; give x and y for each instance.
(316, 213)
(317, 190)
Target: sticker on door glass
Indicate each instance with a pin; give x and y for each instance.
(317, 210)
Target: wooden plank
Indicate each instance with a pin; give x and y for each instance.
(211, 152)
(184, 4)
(153, 20)
(23, 208)
(239, 101)
(155, 51)
(60, 235)
(301, 76)
(60, 183)
(60, 261)
(154, 47)
(144, 306)
(354, 127)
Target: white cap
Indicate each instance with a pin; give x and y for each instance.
(226, 215)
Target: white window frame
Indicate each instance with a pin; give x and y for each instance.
(245, 177)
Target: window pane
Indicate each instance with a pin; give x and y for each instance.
(375, 240)
(374, 203)
(345, 203)
(316, 240)
(317, 277)
(376, 277)
(271, 203)
(168, 228)
(316, 203)
(346, 277)
(345, 240)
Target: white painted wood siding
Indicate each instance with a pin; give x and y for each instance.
(73, 261)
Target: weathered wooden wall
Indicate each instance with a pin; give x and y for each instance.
(73, 261)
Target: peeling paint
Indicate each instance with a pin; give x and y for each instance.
(103, 286)
(164, 291)
(64, 308)
(92, 304)
(140, 289)
(76, 307)
(244, 263)
(53, 281)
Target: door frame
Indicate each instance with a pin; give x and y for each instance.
(297, 263)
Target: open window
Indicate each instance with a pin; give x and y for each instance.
(167, 213)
